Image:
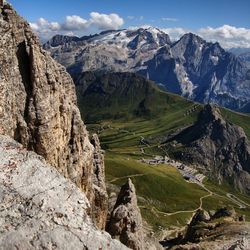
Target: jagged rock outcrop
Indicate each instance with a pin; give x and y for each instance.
(199, 216)
(41, 209)
(125, 222)
(213, 233)
(101, 198)
(220, 147)
(38, 107)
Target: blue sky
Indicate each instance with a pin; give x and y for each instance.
(188, 15)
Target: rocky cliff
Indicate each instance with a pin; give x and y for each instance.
(38, 109)
(100, 210)
(125, 222)
(220, 147)
(40, 209)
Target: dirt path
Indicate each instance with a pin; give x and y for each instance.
(184, 211)
(126, 177)
(202, 198)
(242, 204)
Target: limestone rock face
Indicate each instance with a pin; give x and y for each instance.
(41, 209)
(125, 222)
(221, 147)
(38, 107)
(100, 209)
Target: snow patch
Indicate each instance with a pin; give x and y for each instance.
(215, 59)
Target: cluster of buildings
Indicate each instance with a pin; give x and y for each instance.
(158, 160)
(191, 174)
(188, 173)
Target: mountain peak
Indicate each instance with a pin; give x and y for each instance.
(214, 143)
(191, 67)
(210, 113)
(191, 37)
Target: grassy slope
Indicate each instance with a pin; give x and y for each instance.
(161, 188)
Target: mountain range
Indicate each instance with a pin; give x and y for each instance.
(60, 190)
(190, 67)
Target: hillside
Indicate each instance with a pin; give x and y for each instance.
(165, 198)
(122, 96)
(220, 148)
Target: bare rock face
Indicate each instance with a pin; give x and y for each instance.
(41, 209)
(125, 222)
(221, 147)
(209, 233)
(38, 108)
(100, 210)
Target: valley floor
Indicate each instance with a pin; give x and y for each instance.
(166, 199)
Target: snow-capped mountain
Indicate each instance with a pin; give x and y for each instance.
(191, 67)
(123, 50)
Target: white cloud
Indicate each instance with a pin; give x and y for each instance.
(169, 19)
(44, 28)
(141, 18)
(136, 18)
(73, 23)
(43, 24)
(76, 25)
(103, 21)
(228, 36)
(175, 33)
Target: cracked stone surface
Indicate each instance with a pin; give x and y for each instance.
(41, 209)
(125, 221)
(38, 109)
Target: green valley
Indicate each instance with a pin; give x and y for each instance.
(130, 131)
